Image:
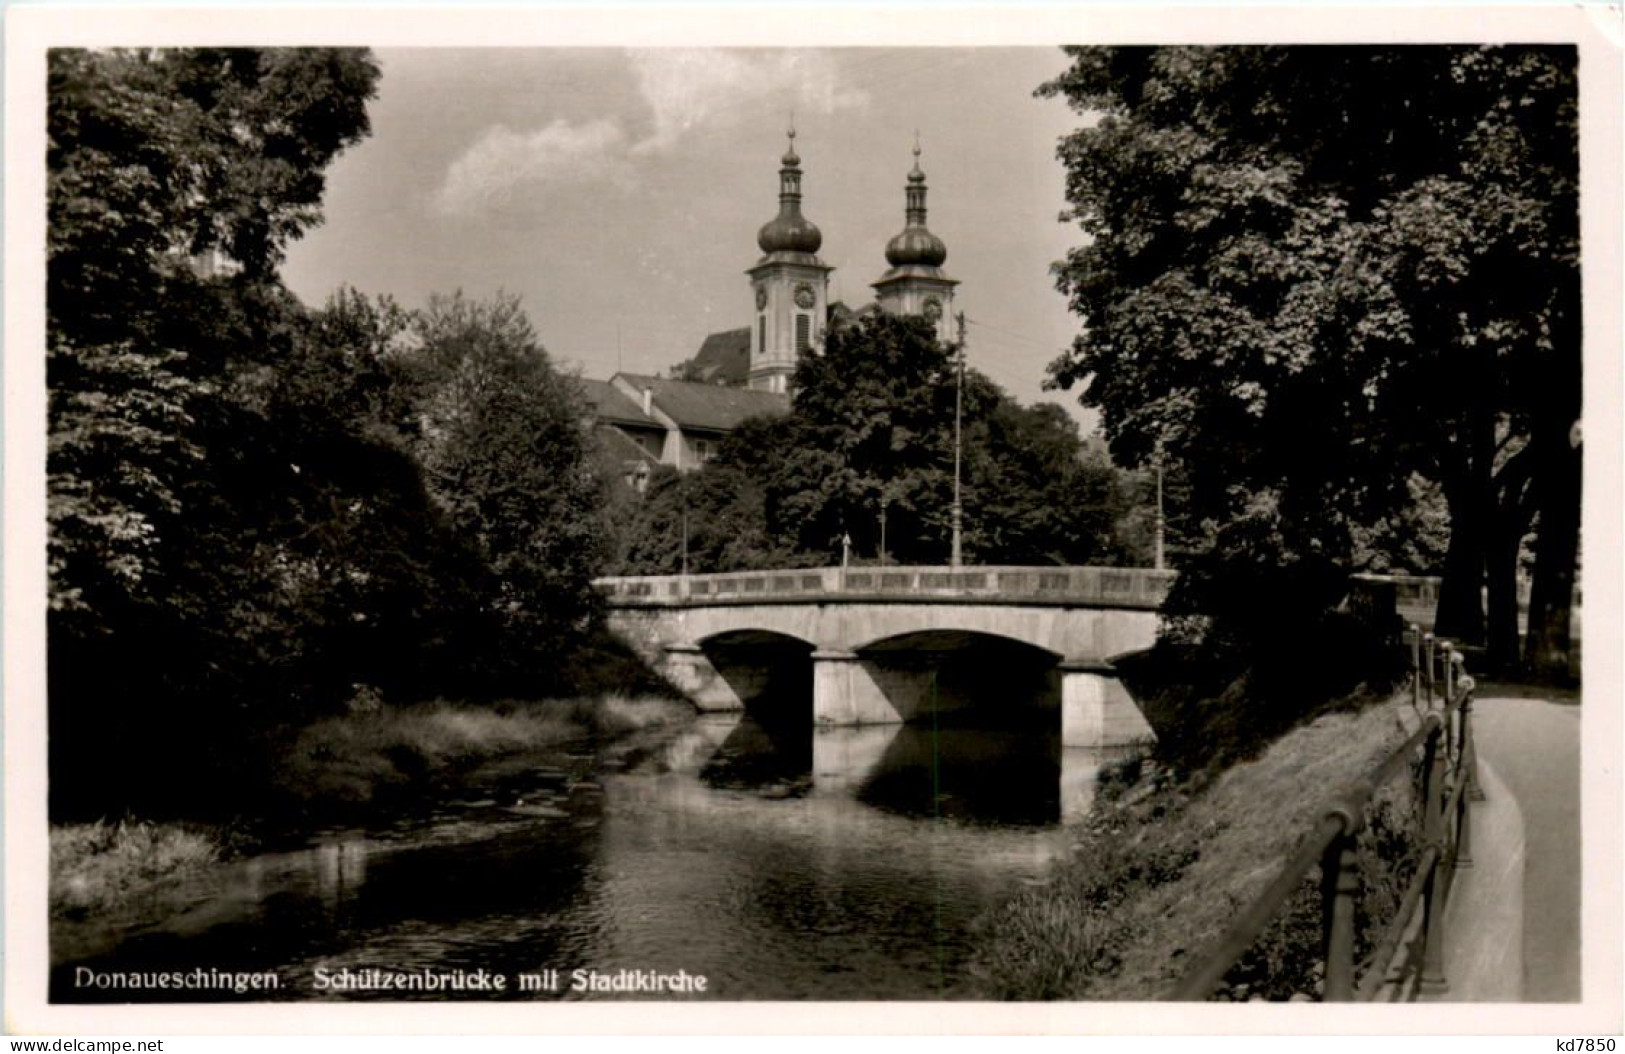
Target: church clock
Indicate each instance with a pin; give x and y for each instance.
(804, 297)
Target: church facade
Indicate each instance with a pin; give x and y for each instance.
(789, 287)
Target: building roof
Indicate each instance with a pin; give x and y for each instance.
(723, 358)
(841, 316)
(609, 403)
(1095, 448)
(617, 444)
(707, 407)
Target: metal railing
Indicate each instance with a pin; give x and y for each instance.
(1409, 948)
(1130, 587)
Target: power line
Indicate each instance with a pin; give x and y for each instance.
(1013, 335)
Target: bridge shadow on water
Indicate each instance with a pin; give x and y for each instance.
(768, 752)
(963, 767)
(969, 772)
(978, 737)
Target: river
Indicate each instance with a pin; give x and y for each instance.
(777, 863)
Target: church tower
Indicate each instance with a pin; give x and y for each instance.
(791, 285)
(916, 284)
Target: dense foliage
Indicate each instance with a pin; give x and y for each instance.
(504, 448)
(1322, 279)
(869, 440)
(260, 513)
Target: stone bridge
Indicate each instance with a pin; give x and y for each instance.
(885, 645)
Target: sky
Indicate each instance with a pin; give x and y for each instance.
(618, 192)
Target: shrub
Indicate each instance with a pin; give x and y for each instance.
(95, 866)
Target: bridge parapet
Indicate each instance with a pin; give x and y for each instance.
(1140, 588)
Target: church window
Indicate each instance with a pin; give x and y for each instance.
(761, 333)
(803, 332)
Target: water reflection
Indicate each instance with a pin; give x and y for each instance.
(992, 776)
(781, 862)
(987, 775)
(764, 754)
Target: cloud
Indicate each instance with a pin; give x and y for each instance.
(503, 162)
(684, 89)
(714, 87)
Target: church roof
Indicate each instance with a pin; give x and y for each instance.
(708, 407)
(842, 315)
(915, 246)
(914, 270)
(790, 233)
(723, 358)
(609, 403)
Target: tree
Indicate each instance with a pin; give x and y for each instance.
(717, 515)
(506, 453)
(1031, 494)
(1302, 286)
(870, 435)
(368, 581)
(157, 368)
(154, 157)
(871, 427)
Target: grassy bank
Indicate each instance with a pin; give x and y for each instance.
(1158, 875)
(98, 866)
(359, 757)
(340, 764)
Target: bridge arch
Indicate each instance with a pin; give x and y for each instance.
(771, 673)
(969, 676)
(753, 637)
(942, 636)
(743, 667)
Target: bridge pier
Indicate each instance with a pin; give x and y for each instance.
(1096, 710)
(847, 693)
(691, 672)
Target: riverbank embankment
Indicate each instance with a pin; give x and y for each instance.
(1157, 875)
(340, 766)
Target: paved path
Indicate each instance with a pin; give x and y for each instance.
(1483, 948)
(1533, 744)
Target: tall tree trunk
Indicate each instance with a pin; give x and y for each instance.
(1501, 568)
(1557, 546)
(1514, 508)
(1558, 479)
(1471, 496)
(1460, 615)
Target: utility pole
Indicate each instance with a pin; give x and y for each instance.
(958, 511)
(685, 550)
(1159, 561)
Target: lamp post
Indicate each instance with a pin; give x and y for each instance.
(883, 530)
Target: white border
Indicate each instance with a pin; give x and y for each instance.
(30, 30)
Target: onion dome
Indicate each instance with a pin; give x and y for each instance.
(915, 245)
(790, 231)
